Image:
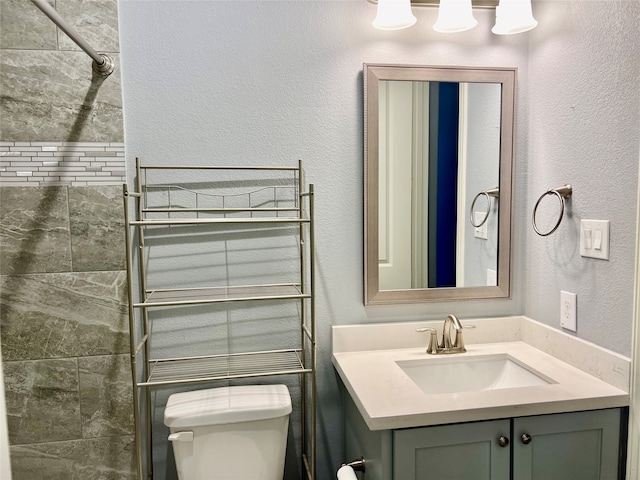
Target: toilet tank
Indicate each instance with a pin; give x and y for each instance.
(230, 433)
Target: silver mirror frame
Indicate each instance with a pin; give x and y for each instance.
(372, 74)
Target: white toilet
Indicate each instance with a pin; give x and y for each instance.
(230, 433)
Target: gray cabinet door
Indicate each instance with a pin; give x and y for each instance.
(568, 446)
(469, 451)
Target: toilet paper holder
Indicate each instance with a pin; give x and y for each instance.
(357, 465)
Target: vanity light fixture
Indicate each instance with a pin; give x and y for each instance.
(512, 16)
(394, 15)
(455, 16)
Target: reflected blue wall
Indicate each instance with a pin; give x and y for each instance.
(443, 182)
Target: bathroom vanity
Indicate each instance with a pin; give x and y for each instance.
(577, 445)
(559, 411)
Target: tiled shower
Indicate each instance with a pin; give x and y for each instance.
(63, 313)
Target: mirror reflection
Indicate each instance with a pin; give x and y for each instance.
(438, 183)
(439, 146)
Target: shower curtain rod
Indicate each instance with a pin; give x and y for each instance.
(102, 64)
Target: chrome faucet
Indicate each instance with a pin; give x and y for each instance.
(446, 345)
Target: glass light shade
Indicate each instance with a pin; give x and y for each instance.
(513, 16)
(394, 15)
(454, 16)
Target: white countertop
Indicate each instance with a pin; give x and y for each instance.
(387, 398)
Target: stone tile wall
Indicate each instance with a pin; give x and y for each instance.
(63, 315)
(64, 333)
(48, 90)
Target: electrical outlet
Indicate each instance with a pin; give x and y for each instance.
(568, 310)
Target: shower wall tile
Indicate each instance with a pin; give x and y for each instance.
(111, 458)
(97, 228)
(52, 95)
(95, 20)
(42, 400)
(34, 230)
(62, 164)
(63, 315)
(64, 335)
(106, 396)
(24, 26)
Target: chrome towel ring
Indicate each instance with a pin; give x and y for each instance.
(494, 192)
(562, 193)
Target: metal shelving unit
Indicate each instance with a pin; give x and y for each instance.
(197, 197)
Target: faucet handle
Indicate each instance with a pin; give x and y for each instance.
(433, 339)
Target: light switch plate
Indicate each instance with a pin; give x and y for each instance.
(594, 239)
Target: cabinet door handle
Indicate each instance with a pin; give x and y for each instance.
(503, 441)
(526, 438)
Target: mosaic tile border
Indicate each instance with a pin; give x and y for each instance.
(76, 164)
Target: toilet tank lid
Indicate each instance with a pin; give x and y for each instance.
(217, 406)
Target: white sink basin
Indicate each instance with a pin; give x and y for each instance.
(469, 374)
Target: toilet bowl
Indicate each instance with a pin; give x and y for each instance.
(230, 433)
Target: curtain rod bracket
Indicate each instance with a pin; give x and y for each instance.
(102, 64)
(106, 67)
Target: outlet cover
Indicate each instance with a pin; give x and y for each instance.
(568, 310)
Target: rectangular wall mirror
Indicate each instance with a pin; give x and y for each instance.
(438, 182)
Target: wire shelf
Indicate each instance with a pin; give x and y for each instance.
(177, 205)
(192, 296)
(210, 221)
(224, 367)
